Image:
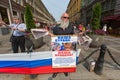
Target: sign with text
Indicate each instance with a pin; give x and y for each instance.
(64, 51)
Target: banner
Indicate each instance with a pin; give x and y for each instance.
(32, 63)
(62, 59)
(64, 51)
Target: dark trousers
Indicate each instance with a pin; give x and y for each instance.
(18, 42)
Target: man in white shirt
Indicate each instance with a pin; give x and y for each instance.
(18, 39)
(105, 28)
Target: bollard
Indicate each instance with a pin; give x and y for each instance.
(99, 63)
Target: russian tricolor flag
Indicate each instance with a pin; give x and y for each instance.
(32, 63)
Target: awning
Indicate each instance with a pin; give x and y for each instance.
(113, 17)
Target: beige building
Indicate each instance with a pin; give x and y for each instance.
(9, 8)
(40, 12)
(73, 10)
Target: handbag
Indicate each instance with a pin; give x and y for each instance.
(11, 38)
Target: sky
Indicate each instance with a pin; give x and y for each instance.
(56, 7)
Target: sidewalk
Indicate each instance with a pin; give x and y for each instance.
(5, 45)
(110, 70)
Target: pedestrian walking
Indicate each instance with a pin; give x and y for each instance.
(105, 28)
(80, 27)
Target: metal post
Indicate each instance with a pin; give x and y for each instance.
(99, 63)
(11, 10)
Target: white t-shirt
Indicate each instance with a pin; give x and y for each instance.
(105, 28)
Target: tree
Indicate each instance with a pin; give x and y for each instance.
(96, 16)
(29, 18)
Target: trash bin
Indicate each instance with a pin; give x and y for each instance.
(4, 31)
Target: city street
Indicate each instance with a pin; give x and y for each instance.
(33, 25)
(110, 70)
(113, 42)
(113, 45)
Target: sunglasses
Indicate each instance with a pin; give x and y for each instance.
(65, 17)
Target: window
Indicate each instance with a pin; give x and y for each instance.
(14, 13)
(4, 16)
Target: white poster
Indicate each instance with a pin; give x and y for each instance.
(64, 51)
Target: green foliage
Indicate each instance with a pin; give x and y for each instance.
(96, 17)
(29, 18)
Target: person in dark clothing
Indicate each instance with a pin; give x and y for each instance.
(65, 28)
(60, 31)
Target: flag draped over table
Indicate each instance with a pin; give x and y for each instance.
(32, 63)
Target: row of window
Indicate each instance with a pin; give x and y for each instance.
(108, 5)
(21, 1)
(86, 2)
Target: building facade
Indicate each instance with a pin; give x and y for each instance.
(73, 9)
(80, 11)
(10, 8)
(110, 12)
(40, 12)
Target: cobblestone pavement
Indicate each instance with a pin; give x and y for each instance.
(110, 71)
(113, 42)
(5, 45)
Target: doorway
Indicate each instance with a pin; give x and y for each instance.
(4, 16)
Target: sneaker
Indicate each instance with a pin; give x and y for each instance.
(33, 76)
(66, 74)
(54, 75)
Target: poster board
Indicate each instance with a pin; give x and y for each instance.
(63, 51)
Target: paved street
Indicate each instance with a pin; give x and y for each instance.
(113, 45)
(113, 42)
(5, 45)
(99, 19)
(110, 71)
